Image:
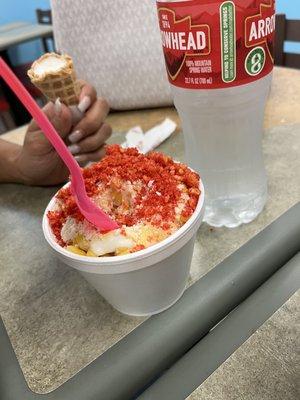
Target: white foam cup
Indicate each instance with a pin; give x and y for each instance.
(142, 283)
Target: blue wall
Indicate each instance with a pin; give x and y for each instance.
(289, 7)
(24, 10)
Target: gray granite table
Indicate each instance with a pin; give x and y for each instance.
(20, 32)
(56, 322)
(12, 25)
(265, 367)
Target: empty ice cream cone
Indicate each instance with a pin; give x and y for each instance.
(55, 77)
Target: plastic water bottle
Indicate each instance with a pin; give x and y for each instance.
(219, 62)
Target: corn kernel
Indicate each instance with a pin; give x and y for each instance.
(76, 250)
(90, 253)
(122, 251)
(117, 197)
(81, 242)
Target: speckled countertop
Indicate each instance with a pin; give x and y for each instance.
(265, 367)
(56, 322)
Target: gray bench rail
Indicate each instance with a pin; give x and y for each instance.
(206, 356)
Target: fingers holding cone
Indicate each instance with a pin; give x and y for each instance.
(76, 112)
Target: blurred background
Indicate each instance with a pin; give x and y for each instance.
(26, 33)
(20, 10)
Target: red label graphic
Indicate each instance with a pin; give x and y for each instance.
(216, 44)
(260, 28)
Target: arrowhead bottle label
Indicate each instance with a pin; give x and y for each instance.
(216, 44)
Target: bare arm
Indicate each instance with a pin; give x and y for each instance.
(37, 163)
(9, 153)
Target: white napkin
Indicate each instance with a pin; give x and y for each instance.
(149, 140)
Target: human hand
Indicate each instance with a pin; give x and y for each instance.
(37, 161)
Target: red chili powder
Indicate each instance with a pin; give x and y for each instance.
(157, 200)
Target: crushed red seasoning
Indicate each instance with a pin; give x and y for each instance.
(157, 199)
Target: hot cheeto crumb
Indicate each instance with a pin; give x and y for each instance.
(149, 196)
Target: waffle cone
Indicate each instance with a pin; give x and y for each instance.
(61, 84)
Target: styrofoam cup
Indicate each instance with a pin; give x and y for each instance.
(142, 283)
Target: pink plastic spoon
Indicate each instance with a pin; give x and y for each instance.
(91, 212)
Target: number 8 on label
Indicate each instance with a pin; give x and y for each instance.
(255, 61)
